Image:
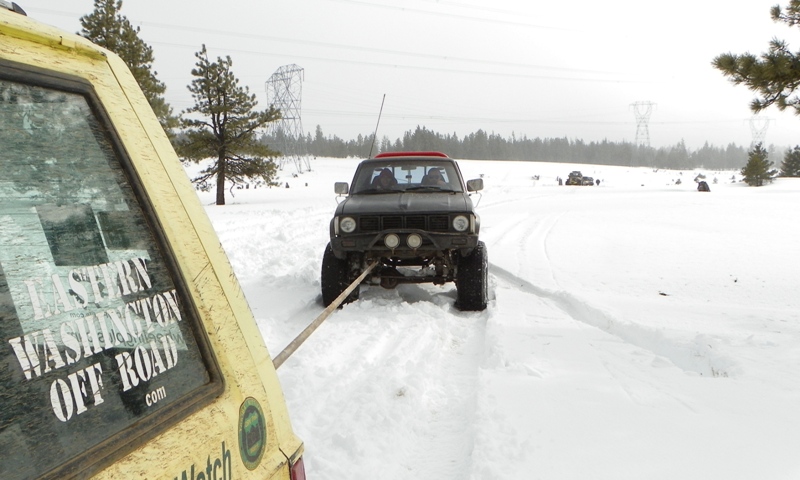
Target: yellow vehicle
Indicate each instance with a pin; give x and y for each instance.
(127, 347)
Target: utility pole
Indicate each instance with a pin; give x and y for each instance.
(284, 92)
(758, 129)
(642, 111)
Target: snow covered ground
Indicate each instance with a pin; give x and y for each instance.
(638, 329)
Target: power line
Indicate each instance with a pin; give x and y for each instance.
(417, 67)
(451, 15)
(311, 43)
(294, 41)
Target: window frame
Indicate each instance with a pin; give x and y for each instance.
(145, 428)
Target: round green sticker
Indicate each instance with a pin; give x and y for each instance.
(252, 433)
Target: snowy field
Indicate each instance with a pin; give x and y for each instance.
(638, 329)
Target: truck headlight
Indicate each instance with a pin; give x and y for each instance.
(461, 223)
(347, 224)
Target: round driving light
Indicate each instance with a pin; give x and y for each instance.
(414, 240)
(391, 240)
(461, 223)
(347, 224)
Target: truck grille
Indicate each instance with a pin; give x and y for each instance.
(376, 223)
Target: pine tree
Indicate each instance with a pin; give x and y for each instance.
(222, 126)
(791, 163)
(758, 166)
(107, 28)
(775, 75)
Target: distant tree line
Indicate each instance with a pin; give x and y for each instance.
(481, 145)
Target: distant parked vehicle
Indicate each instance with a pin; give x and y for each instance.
(587, 181)
(574, 178)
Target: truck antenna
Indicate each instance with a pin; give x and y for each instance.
(375, 135)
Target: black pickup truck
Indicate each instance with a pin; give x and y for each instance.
(412, 212)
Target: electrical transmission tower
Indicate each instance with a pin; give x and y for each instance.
(758, 129)
(284, 92)
(642, 111)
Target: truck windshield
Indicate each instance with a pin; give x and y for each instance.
(401, 176)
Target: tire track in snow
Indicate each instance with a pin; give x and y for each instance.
(398, 353)
(695, 356)
(526, 236)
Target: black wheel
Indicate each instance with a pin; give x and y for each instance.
(472, 282)
(335, 278)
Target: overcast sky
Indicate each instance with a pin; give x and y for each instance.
(528, 67)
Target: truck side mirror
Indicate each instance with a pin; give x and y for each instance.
(341, 188)
(475, 185)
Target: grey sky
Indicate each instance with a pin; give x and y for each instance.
(533, 68)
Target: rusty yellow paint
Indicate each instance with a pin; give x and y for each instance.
(243, 357)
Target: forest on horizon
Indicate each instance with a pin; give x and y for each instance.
(481, 145)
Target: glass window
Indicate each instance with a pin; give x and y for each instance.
(398, 175)
(94, 334)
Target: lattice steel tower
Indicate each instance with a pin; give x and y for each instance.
(758, 129)
(642, 111)
(284, 92)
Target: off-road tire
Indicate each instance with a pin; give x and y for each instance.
(472, 280)
(335, 278)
